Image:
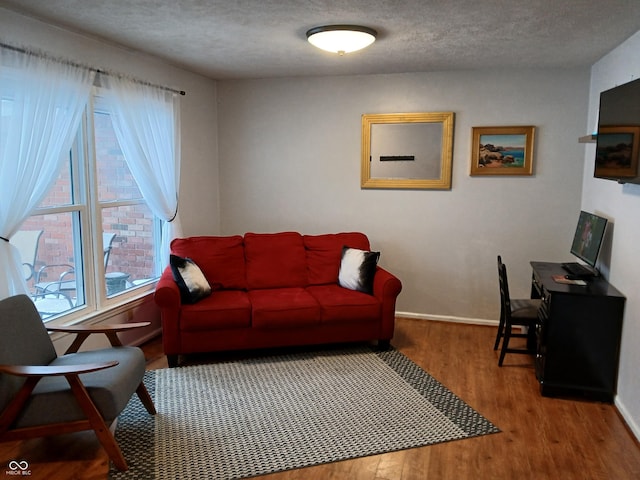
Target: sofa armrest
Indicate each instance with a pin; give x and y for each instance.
(386, 288)
(386, 284)
(167, 293)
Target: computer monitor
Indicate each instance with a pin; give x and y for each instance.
(588, 237)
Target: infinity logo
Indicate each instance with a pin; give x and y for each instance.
(15, 465)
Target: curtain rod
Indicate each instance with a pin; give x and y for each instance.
(80, 65)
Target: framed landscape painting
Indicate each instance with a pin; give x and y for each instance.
(502, 150)
(617, 152)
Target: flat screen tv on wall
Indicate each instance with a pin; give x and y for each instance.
(618, 136)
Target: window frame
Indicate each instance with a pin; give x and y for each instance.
(88, 208)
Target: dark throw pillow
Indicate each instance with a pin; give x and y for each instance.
(190, 279)
(357, 269)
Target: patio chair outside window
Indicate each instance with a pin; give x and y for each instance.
(54, 297)
(66, 282)
(27, 242)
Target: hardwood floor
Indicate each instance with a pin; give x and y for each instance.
(541, 438)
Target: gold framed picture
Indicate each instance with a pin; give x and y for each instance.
(502, 150)
(407, 150)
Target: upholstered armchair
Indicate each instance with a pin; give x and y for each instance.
(44, 394)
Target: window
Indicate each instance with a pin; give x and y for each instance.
(100, 241)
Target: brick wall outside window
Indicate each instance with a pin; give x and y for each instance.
(133, 247)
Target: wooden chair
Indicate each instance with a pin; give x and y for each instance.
(43, 394)
(522, 312)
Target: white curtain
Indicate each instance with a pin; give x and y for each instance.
(41, 104)
(146, 121)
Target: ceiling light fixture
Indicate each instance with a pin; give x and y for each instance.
(341, 39)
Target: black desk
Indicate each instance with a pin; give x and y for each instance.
(578, 336)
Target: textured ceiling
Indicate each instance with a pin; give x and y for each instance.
(225, 39)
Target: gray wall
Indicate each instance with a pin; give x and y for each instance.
(290, 160)
(621, 205)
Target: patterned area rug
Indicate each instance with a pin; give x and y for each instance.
(251, 417)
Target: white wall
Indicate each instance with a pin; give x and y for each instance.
(621, 204)
(199, 178)
(290, 160)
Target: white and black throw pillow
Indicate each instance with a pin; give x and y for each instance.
(190, 279)
(357, 269)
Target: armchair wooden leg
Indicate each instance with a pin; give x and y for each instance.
(145, 398)
(98, 424)
(12, 410)
(77, 342)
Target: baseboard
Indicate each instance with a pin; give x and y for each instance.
(447, 318)
(145, 338)
(628, 419)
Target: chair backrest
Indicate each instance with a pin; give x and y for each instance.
(107, 240)
(24, 341)
(505, 301)
(27, 242)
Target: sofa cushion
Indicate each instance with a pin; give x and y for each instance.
(357, 269)
(189, 278)
(341, 305)
(324, 253)
(283, 308)
(223, 309)
(275, 260)
(221, 259)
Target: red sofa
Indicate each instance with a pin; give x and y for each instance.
(272, 290)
